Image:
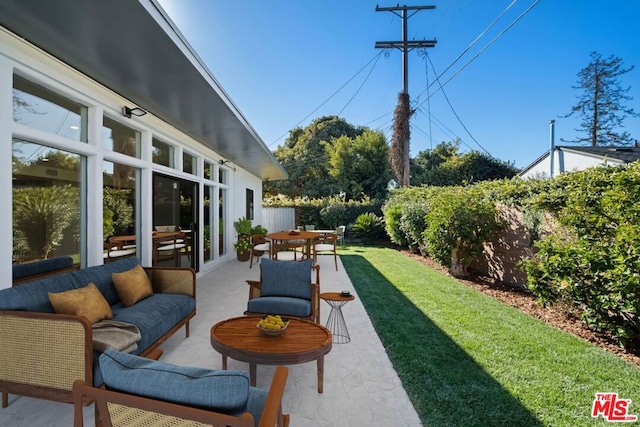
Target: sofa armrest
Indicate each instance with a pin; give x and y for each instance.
(45, 350)
(172, 280)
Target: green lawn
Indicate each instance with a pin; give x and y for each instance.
(466, 359)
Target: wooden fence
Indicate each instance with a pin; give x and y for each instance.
(278, 219)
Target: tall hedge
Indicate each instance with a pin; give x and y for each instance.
(596, 264)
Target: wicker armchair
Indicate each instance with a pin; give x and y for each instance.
(117, 409)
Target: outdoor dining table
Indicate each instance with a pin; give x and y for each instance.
(293, 235)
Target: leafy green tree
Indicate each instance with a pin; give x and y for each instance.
(360, 165)
(601, 103)
(305, 159)
(444, 166)
(429, 160)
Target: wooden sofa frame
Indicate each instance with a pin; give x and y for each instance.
(115, 409)
(44, 353)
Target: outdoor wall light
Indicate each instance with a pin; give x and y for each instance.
(135, 111)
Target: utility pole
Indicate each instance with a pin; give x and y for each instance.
(400, 143)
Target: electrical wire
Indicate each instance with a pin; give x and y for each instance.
(357, 91)
(329, 98)
(454, 111)
(426, 72)
(482, 33)
(500, 34)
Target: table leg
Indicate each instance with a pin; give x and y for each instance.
(224, 363)
(320, 374)
(252, 374)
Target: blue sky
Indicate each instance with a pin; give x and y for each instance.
(282, 60)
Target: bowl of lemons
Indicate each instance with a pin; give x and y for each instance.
(273, 325)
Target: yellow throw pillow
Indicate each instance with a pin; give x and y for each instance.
(132, 285)
(87, 302)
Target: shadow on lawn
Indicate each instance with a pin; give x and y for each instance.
(446, 386)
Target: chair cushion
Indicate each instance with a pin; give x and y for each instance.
(132, 285)
(286, 278)
(262, 247)
(220, 391)
(87, 302)
(324, 247)
(287, 306)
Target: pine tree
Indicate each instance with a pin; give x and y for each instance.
(601, 103)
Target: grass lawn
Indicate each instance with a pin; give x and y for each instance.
(466, 359)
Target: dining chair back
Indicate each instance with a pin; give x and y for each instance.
(326, 244)
(291, 250)
(260, 245)
(340, 230)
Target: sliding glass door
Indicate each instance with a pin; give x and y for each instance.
(175, 210)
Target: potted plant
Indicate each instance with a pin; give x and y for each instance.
(243, 245)
(243, 248)
(258, 229)
(242, 226)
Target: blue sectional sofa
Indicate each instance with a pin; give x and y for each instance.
(44, 352)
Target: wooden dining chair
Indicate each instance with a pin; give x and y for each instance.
(292, 250)
(326, 244)
(260, 246)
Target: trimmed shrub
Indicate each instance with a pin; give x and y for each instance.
(459, 222)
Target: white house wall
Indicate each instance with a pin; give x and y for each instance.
(17, 56)
(565, 161)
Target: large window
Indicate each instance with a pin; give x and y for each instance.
(208, 170)
(48, 207)
(163, 153)
(120, 209)
(120, 138)
(189, 163)
(41, 109)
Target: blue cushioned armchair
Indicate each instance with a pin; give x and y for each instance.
(143, 392)
(286, 288)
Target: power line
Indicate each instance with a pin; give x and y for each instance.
(485, 47)
(482, 33)
(357, 91)
(475, 56)
(329, 98)
(453, 110)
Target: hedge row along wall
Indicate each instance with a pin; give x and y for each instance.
(574, 239)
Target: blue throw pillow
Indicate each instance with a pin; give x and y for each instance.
(286, 278)
(220, 391)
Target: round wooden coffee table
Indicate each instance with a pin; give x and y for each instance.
(302, 341)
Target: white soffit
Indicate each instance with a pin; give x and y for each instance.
(133, 48)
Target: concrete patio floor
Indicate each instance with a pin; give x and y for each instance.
(361, 388)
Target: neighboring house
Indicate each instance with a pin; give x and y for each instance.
(567, 159)
(71, 72)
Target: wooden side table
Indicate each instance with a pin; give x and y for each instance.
(335, 322)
